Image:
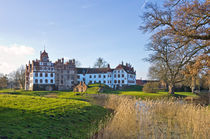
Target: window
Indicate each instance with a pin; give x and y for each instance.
(90, 82)
(46, 81)
(68, 72)
(78, 76)
(115, 75)
(104, 76)
(99, 81)
(94, 76)
(99, 76)
(40, 80)
(40, 74)
(51, 74)
(118, 81)
(67, 77)
(61, 76)
(90, 76)
(46, 74)
(118, 75)
(51, 81)
(36, 81)
(104, 81)
(123, 81)
(115, 81)
(123, 75)
(61, 81)
(36, 74)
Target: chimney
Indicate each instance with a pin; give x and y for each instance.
(62, 60)
(122, 63)
(108, 66)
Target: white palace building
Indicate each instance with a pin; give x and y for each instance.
(122, 75)
(43, 74)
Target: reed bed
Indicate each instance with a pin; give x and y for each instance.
(153, 119)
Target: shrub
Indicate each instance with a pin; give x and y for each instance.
(151, 87)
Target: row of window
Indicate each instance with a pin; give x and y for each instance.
(41, 81)
(115, 81)
(115, 76)
(45, 68)
(41, 75)
(131, 76)
(99, 76)
(118, 71)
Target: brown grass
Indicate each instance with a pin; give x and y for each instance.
(136, 119)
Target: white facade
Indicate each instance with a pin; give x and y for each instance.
(44, 75)
(115, 78)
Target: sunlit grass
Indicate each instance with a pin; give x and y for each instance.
(25, 116)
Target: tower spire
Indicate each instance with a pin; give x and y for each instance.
(44, 45)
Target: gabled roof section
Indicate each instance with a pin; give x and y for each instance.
(44, 56)
(127, 68)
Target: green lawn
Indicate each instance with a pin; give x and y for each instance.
(24, 116)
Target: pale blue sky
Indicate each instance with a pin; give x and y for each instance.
(80, 29)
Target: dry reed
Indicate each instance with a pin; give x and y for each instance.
(157, 119)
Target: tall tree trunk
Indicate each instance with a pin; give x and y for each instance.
(193, 85)
(171, 89)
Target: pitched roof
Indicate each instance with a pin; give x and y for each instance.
(93, 70)
(44, 54)
(127, 68)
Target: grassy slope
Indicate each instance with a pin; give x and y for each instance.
(39, 117)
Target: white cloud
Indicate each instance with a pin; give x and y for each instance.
(12, 57)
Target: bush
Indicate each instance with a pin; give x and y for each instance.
(151, 87)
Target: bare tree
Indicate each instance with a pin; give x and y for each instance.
(17, 78)
(171, 62)
(20, 74)
(197, 69)
(100, 63)
(183, 21)
(180, 33)
(3, 81)
(159, 71)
